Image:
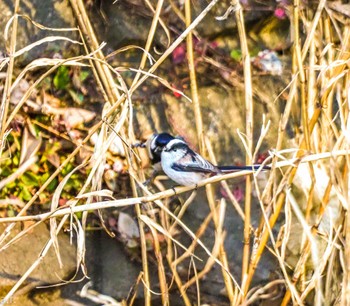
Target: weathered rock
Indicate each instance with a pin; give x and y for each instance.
(19, 256)
(52, 14)
(110, 268)
(128, 21)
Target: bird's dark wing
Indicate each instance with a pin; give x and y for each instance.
(191, 168)
(193, 162)
(237, 168)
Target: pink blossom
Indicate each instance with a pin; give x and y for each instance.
(280, 13)
(179, 54)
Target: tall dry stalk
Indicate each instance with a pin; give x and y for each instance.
(5, 101)
(249, 109)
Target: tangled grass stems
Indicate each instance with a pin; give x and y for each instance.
(320, 76)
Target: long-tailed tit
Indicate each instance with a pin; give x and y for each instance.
(186, 167)
(154, 146)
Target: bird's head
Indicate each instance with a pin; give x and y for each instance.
(155, 145)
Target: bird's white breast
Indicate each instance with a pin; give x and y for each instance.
(184, 178)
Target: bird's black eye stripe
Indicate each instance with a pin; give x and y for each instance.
(178, 146)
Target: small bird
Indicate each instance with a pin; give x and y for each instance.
(186, 167)
(154, 146)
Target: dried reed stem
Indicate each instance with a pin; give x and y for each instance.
(200, 138)
(5, 101)
(249, 138)
(104, 74)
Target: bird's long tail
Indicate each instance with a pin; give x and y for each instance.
(226, 169)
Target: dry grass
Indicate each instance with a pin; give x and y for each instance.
(318, 91)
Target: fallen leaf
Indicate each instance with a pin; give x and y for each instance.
(74, 117)
(128, 229)
(29, 146)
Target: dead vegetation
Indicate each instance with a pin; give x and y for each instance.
(316, 164)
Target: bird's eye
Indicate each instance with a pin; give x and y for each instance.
(174, 150)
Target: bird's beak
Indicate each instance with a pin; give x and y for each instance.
(139, 145)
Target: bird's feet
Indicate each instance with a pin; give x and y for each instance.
(173, 188)
(151, 179)
(147, 182)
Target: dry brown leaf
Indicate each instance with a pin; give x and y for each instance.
(30, 145)
(76, 116)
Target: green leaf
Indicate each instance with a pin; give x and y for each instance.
(68, 168)
(74, 183)
(52, 186)
(43, 197)
(15, 160)
(62, 78)
(29, 180)
(5, 171)
(43, 178)
(10, 212)
(76, 96)
(35, 168)
(11, 185)
(83, 75)
(25, 195)
(236, 54)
